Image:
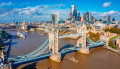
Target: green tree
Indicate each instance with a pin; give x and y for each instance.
(89, 27)
(94, 36)
(111, 44)
(112, 30)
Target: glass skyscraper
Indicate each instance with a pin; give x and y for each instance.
(55, 18)
(78, 16)
(104, 19)
(74, 14)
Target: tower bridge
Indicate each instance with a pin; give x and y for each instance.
(53, 52)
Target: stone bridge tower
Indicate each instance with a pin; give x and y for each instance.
(53, 35)
(82, 40)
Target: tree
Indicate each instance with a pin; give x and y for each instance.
(112, 30)
(94, 36)
(89, 27)
(111, 44)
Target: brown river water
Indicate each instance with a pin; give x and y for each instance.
(99, 58)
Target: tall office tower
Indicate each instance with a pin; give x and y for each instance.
(90, 17)
(78, 16)
(113, 19)
(55, 18)
(73, 12)
(93, 19)
(70, 15)
(104, 19)
(72, 9)
(109, 18)
(84, 17)
(87, 17)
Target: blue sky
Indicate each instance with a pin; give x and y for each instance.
(41, 10)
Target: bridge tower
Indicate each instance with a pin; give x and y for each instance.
(2, 56)
(103, 38)
(53, 35)
(107, 41)
(82, 40)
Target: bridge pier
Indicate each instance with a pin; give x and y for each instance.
(5, 66)
(56, 57)
(84, 50)
(53, 35)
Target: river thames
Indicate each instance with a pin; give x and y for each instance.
(99, 58)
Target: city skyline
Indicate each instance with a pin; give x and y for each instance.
(41, 10)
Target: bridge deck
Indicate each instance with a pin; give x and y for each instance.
(69, 35)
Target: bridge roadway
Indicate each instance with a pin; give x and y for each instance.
(69, 35)
(39, 53)
(19, 61)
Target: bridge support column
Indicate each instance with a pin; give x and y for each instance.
(84, 49)
(6, 66)
(107, 42)
(56, 56)
(2, 56)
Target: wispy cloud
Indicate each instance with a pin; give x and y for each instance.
(60, 5)
(107, 4)
(6, 4)
(98, 15)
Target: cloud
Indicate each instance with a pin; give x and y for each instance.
(6, 4)
(93, 12)
(36, 13)
(98, 15)
(60, 5)
(107, 4)
(112, 12)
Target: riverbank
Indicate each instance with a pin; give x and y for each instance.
(113, 49)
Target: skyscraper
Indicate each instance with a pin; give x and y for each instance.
(104, 19)
(88, 17)
(72, 9)
(108, 21)
(84, 17)
(109, 18)
(74, 14)
(113, 19)
(55, 18)
(78, 16)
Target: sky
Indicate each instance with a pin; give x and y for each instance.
(41, 10)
